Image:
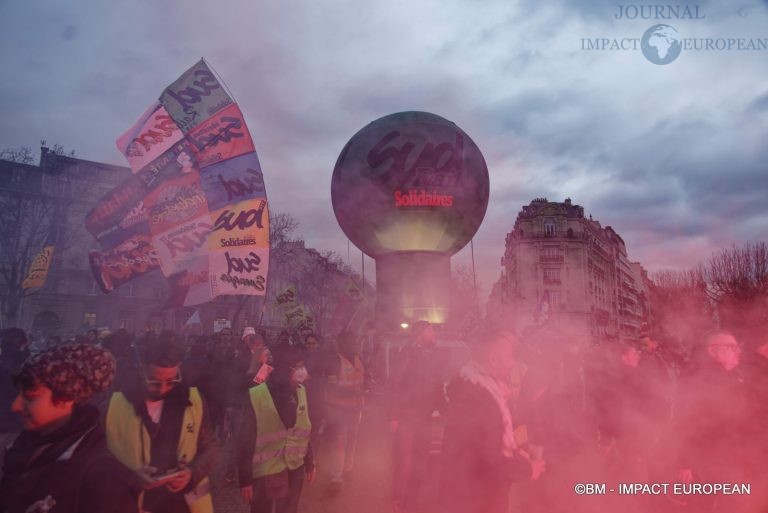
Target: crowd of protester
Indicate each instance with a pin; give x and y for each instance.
(114, 422)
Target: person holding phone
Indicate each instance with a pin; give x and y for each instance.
(160, 428)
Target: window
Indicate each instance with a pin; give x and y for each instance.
(549, 228)
(551, 254)
(553, 297)
(551, 276)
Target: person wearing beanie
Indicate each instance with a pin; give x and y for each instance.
(159, 428)
(61, 460)
(275, 454)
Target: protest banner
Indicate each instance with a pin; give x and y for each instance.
(195, 206)
(38, 269)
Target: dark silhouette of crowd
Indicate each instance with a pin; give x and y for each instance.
(498, 422)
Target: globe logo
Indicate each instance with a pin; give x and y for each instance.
(661, 44)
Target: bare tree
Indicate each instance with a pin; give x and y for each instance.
(27, 224)
(23, 155)
(737, 280)
(739, 274)
(679, 304)
(26, 155)
(32, 215)
(322, 284)
(281, 227)
(465, 307)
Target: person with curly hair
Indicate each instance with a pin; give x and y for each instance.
(61, 458)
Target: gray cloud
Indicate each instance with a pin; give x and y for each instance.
(673, 157)
(760, 103)
(69, 33)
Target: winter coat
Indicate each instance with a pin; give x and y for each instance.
(70, 469)
(476, 476)
(715, 423)
(418, 390)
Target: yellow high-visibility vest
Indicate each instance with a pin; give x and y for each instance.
(129, 441)
(278, 447)
(350, 379)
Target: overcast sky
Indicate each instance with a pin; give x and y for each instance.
(674, 157)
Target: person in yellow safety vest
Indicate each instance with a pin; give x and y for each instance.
(160, 428)
(273, 444)
(344, 398)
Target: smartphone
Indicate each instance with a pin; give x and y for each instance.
(167, 477)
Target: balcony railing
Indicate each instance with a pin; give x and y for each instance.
(557, 234)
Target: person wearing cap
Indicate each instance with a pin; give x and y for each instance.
(60, 462)
(159, 428)
(275, 454)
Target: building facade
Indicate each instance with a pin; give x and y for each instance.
(51, 200)
(564, 269)
(46, 204)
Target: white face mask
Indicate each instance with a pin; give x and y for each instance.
(300, 375)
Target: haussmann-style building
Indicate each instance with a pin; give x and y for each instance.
(564, 269)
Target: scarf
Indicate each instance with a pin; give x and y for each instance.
(476, 374)
(31, 449)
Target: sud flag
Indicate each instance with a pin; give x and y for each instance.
(38, 270)
(287, 297)
(194, 206)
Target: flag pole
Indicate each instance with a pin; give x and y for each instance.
(221, 80)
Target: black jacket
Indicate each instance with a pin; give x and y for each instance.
(71, 467)
(476, 476)
(165, 440)
(418, 390)
(714, 424)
